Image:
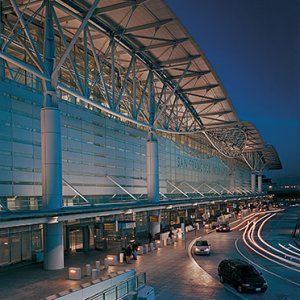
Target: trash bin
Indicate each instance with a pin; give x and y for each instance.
(38, 256)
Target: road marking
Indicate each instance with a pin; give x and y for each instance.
(259, 266)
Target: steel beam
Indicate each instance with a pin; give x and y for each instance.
(75, 37)
(156, 24)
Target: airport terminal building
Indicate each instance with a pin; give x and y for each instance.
(112, 125)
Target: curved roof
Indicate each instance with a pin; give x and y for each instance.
(271, 158)
(254, 141)
(189, 95)
(157, 37)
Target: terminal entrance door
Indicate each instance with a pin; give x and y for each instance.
(75, 240)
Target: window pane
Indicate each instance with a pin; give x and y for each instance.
(15, 247)
(4, 250)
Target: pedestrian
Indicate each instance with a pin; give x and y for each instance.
(128, 253)
(171, 235)
(134, 251)
(150, 237)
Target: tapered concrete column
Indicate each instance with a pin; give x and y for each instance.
(53, 246)
(51, 158)
(259, 183)
(51, 151)
(52, 186)
(253, 182)
(152, 168)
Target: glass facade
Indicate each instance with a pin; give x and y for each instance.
(93, 148)
(20, 243)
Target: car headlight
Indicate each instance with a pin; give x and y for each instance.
(206, 250)
(246, 284)
(197, 249)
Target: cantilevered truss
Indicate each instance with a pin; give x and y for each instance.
(131, 60)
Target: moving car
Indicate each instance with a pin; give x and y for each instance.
(243, 276)
(224, 227)
(201, 247)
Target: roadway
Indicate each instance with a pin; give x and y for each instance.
(280, 271)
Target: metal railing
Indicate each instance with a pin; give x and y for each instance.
(123, 288)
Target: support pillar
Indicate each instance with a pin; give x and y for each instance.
(152, 168)
(51, 158)
(54, 247)
(51, 153)
(253, 182)
(259, 183)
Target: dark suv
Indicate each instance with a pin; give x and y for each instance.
(241, 275)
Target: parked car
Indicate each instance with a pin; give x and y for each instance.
(223, 227)
(243, 276)
(201, 247)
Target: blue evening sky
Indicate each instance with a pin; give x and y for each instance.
(254, 47)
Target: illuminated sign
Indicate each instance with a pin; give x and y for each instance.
(109, 226)
(210, 165)
(153, 218)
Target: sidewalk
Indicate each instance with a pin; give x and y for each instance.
(168, 269)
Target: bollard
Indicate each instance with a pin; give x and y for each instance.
(106, 263)
(121, 257)
(88, 269)
(146, 248)
(94, 274)
(151, 247)
(75, 273)
(112, 260)
(158, 244)
(98, 266)
(140, 250)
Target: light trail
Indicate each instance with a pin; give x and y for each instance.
(288, 249)
(247, 234)
(294, 247)
(274, 248)
(252, 215)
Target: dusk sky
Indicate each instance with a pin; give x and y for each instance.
(254, 47)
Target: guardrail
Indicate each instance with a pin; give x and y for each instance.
(122, 289)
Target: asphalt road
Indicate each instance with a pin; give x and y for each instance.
(283, 284)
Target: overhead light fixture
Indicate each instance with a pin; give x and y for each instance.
(53, 220)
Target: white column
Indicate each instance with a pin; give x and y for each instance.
(152, 168)
(53, 246)
(51, 158)
(259, 183)
(52, 186)
(253, 182)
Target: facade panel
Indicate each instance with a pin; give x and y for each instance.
(95, 146)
